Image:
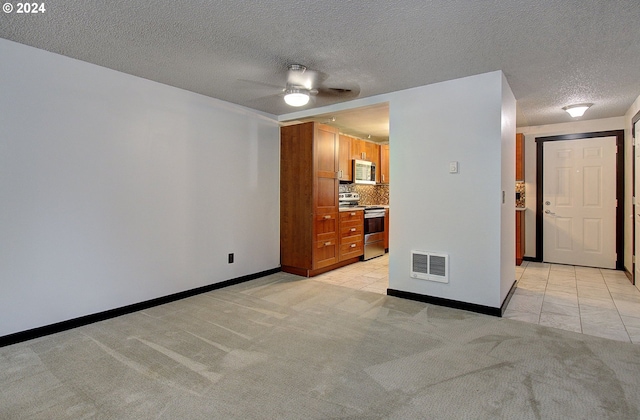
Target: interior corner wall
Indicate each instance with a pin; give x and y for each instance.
(530, 154)
(433, 210)
(508, 216)
(116, 189)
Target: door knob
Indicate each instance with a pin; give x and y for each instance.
(548, 212)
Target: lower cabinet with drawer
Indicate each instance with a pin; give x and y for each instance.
(326, 240)
(351, 234)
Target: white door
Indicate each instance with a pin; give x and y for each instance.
(579, 202)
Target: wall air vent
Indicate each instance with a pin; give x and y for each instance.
(430, 266)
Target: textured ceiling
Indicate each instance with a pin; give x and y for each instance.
(553, 53)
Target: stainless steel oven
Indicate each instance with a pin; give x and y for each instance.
(373, 232)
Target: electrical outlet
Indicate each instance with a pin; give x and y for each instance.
(453, 167)
(231, 258)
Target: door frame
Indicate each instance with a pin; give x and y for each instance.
(634, 120)
(540, 141)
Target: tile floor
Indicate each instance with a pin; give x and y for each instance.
(371, 275)
(581, 299)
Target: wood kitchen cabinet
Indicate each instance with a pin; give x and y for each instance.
(384, 164)
(358, 149)
(386, 230)
(373, 155)
(344, 158)
(351, 234)
(519, 157)
(309, 216)
(366, 150)
(519, 237)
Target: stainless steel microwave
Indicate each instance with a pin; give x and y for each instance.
(364, 172)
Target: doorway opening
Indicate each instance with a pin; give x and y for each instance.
(635, 169)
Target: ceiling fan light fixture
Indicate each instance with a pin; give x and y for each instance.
(296, 97)
(577, 110)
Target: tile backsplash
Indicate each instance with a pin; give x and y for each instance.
(520, 194)
(369, 194)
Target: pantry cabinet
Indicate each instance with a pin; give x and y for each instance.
(519, 157)
(309, 214)
(519, 237)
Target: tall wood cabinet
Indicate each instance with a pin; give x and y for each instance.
(519, 157)
(309, 214)
(519, 237)
(520, 214)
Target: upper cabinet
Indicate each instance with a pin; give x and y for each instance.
(358, 149)
(519, 157)
(366, 150)
(344, 158)
(384, 164)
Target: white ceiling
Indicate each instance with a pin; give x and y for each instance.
(553, 53)
(369, 122)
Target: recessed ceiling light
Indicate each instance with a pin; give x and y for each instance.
(577, 110)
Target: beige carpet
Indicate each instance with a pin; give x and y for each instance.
(282, 347)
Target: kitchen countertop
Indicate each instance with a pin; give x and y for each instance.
(386, 206)
(521, 208)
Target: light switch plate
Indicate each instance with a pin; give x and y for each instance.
(453, 167)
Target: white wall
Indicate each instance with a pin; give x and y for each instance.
(530, 134)
(508, 217)
(469, 120)
(457, 214)
(115, 189)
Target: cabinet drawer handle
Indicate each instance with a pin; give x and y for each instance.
(353, 245)
(353, 213)
(327, 243)
(328, 216)
(353, 229)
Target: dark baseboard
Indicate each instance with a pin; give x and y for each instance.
(472, 307)
(532, 259)
(112, 313)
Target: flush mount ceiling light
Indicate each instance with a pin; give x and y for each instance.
(576, 110)
(296, 97)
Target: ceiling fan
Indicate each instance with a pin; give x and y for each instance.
(303, 83)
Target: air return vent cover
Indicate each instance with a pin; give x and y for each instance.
(430, 266)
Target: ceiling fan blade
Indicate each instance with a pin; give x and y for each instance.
(339, 92)
(253, 84)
